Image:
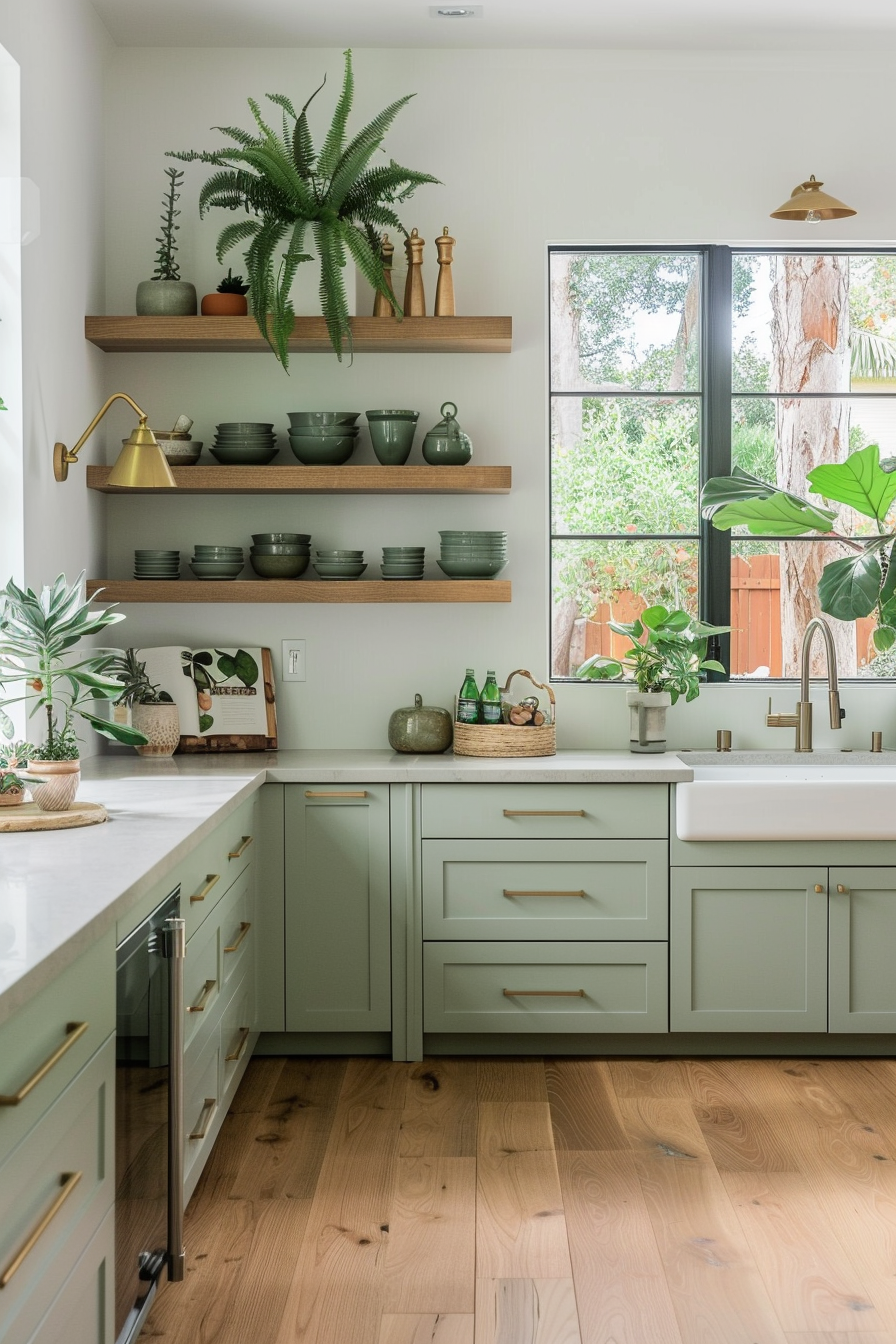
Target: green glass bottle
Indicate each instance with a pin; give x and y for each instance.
(468, 700)
(490, 700)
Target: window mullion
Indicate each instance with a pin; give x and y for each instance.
(715, 441)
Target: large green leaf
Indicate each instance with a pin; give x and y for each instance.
(858, 482)
(850, 588)
(779, 515)
(116, 732)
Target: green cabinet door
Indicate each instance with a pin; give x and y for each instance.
(337, 908)
(862, 940)
(747, 949)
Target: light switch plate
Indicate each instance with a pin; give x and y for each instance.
(293, 664)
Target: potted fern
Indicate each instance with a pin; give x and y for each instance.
(153, 712)
(229, 300)
(291, 190)
(38, 635)
(166, 295)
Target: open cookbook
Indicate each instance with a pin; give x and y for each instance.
(224, 697)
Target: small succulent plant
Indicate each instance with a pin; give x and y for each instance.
(232, 284)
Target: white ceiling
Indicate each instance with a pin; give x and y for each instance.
(791, 25)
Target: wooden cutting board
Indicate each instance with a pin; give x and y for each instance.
(29, 817)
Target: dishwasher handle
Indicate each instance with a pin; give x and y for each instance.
(175, 948)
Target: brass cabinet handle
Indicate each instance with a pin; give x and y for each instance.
(512, 812)
(844, 891)
(244, 929)
(819, 888)
(210, 880)
(237, 1054)
(73, 1032)
(68, 1180)
(206, 1115)
(544, 993)
(544, 893)
(202, 1002)
(347, 793)
(238, 853)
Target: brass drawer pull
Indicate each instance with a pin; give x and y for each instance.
(73, 1032)
(512, 812)
(206, 1115)
(350, 793)
(544, 893)
(843, 891)
(68, 1180)
(202, 1002)
(238, 853)
(819, 888)
(544, 993)
(210, 880)
(244, 929)
(237, 1054)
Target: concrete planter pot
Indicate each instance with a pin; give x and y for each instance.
(647, 710)
(166, 298)
(161, 724)
(60, 780)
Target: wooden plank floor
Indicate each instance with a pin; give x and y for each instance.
(561, 1201)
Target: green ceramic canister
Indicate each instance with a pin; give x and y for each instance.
(420, 730)
(446, 445)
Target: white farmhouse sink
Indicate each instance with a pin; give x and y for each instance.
(782, 796)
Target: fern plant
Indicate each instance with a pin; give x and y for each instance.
(291, 189)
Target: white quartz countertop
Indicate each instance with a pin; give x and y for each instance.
(62, 890)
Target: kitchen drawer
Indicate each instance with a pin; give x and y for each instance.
(39, 1032)
(83, 1312)
(237, 1026)
(201, 1101)
(238, 929)
(60, 1179)
(545, 811)
(202, 983)
(567, 987)
(540, 889)
(216, 862)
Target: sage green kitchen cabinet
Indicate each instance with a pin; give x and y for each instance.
(338, 933)
(748, 949)
(862, 909)
(84, 1312)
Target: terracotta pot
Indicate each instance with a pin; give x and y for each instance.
(58, 791)
(161, 724)
(224, 305)
(12, 797)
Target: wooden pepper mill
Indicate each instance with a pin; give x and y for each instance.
(445, 287)
(381, 305)
(414, 298)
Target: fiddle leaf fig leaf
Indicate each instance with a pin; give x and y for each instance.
(859, 482)
(781, 515)
(850, 588)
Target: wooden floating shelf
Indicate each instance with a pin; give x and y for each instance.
(382, 335)
(300, 590)
(299, 480)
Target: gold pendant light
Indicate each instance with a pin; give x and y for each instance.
(141, 464)
(810, 204)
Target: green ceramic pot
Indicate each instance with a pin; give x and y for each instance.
(392, 437)
(446, 445)
(166, 298)
(279, 566)
(420, 730)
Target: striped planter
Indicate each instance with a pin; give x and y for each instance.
(61, 780)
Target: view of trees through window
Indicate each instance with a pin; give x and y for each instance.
(668, 367)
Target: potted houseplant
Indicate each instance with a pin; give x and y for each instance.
(666, 660)
(153, 712)
(38, 635)
(166, 295)
(13, 781)
(290, 190)
(229, 300)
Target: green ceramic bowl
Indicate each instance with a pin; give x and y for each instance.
(218, 552)
(403, 550)
(279, 566)
(215, 571)
(403, 566)
(280, 538)
(321, 418)
(323, 452)
(245, 425)
(473, 536)
(324, 432)
(330, 571)
(471, 569)
(157, 555)
(242, 457)
(279, 548)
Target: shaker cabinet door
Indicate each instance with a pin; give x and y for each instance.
(862, 939)
(338, 962)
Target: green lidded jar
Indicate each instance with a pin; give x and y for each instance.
(420, 730)
(446, 445)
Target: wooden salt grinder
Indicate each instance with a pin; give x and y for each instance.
(414, 298)
(381, 305)
(445, 286)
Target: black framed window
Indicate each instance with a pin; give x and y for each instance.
(671, 365)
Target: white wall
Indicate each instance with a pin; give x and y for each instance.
(532, 147)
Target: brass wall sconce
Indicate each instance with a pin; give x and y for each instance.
(141, 464)
(810, 204)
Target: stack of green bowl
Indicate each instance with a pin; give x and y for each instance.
(473, 555)
(157, 564)
(244, 443)
(339, 564)
(323, 438)
(403, 562)
(217, 562)
(280, 555)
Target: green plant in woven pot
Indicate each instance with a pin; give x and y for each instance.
(291, 190)
(152, 710)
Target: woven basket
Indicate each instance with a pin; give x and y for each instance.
(507, 739)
